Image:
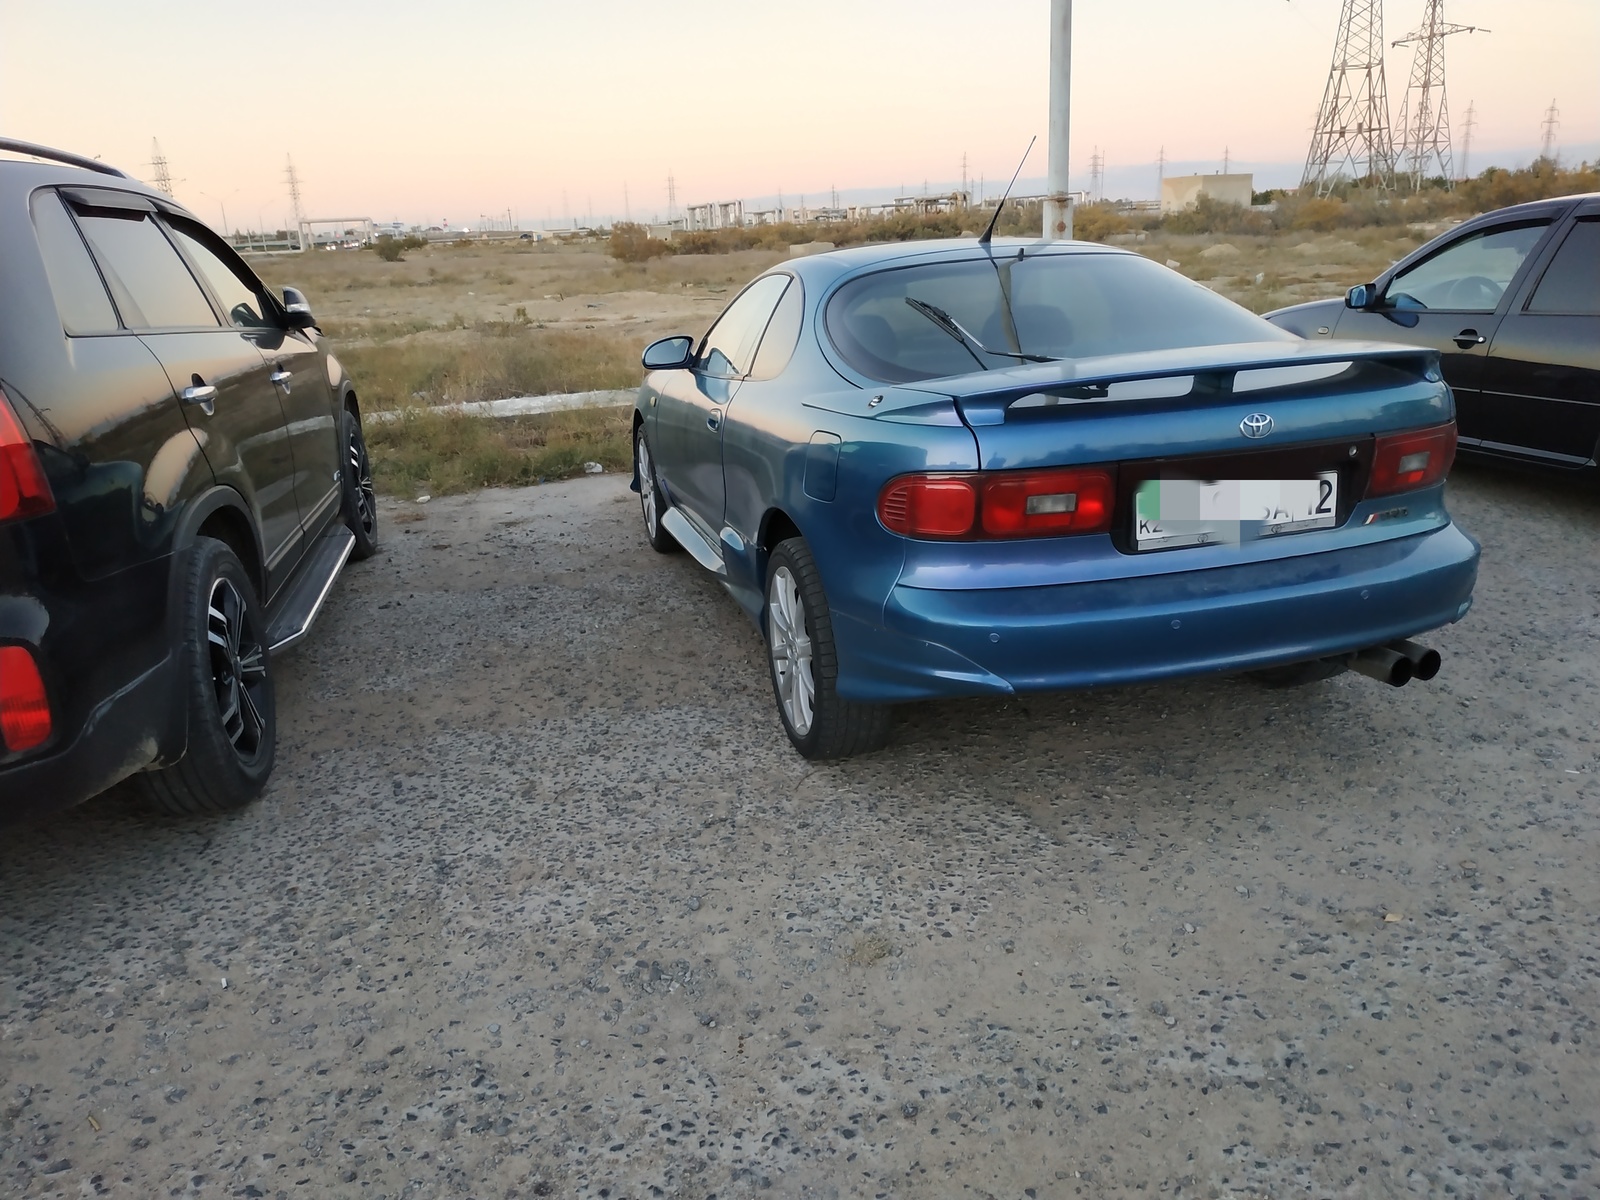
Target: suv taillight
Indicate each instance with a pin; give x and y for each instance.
(24, 491)
(999, 504)
(1404, 462)
(24, 708)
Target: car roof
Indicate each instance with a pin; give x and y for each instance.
(825, 268)
(20, 176)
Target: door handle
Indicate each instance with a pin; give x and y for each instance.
(202, 395)
(714, 421)
(281, 378)
(1469, 338)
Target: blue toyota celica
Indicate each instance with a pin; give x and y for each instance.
(964, 468)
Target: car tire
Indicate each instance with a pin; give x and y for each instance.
(224, 673)
(804, 663)
(651, 502)
(1299, 674)
(359, 499)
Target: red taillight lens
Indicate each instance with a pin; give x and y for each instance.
(931, 506)
(999, 504)
(1020, 503)
(24, 491)
(1404, 462)
(24, 710)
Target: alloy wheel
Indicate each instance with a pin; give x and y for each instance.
(647, 487)
(238, 667)
(360, 468)
(790, 646)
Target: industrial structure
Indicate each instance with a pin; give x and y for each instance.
(1424, 149)
(158, 165)
(1352, 137)
(1552, 122)
(1179, 192)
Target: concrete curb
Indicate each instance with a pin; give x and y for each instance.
(517, 406)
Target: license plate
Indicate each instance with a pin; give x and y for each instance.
(1195, 512)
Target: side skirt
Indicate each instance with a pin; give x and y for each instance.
(303, 598)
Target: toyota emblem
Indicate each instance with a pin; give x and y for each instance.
(1256, 425)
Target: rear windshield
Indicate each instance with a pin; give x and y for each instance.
(1052, 305)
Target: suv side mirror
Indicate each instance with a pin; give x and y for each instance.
(1362, 297)
(669, 354)
(294, 303)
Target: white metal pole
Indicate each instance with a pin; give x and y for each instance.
(1058, 204)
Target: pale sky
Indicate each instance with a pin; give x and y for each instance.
(397, 109)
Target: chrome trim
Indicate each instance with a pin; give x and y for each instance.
(692, 540)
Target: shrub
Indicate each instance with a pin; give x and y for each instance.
(1321, 215)
(390, 248)
(633, 243)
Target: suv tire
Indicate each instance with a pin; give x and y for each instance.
(223, 669)
(359, 499)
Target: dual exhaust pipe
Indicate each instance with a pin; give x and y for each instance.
(1398, 663)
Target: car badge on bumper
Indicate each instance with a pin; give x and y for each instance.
(1256, 425)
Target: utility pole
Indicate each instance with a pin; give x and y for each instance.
(1353, 123)
(1058, 200)
(963, 177)
(1097, 164)
(1552, 122)
(1226, 160)
(672, 197)
(301, 225)
(1425, 113)
(158, 163)
(1466, 139)
(1161, 171)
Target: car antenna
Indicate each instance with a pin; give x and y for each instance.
(989, 232)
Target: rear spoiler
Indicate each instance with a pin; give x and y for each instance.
(984, 397)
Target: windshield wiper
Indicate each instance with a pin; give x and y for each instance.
(971, 344)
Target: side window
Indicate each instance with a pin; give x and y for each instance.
(730, 347)
(1571, 284)
(1470, 275)
(240, 297)
(783, 332)
(148, 281)
(81, 298)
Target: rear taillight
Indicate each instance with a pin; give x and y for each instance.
(1404, 462)
(24, 491)
(24, 709)
(999, 504)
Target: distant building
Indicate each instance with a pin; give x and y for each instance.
(1179, 192)
(719, 214)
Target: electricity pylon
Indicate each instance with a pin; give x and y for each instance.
(1552, 122)
(1353, 122)
(158, 164)
(1425, 113)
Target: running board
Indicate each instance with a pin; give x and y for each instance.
(307, 593)
(692, 540)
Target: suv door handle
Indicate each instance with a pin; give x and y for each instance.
(281, 378)
(714, 421)
(201, 395)
(1469, 338)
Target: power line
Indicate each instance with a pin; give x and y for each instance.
(1352, 127)
(1552, 122)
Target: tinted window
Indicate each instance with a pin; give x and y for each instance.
(1056, 305)
(152, 287)
(1572, 284)
(730, 347)
(1470, 275)
(81, 298)
(783, 331)
(240, 299)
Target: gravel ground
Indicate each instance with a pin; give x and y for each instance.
(541, 903)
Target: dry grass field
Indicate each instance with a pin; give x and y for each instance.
(453, 323)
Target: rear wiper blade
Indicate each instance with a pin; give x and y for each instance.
(953, 327)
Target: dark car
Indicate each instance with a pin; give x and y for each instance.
(1511, 300)
(182, 476)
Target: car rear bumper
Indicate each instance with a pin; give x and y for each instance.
(122, 735)
(1222, 619)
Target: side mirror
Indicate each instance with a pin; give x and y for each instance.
(294, 303)
(1362, 297)
(669, 354)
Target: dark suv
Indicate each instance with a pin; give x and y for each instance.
(182, 477)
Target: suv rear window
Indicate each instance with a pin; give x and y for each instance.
(152, 287)
(1076, 305)
(81, 299)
